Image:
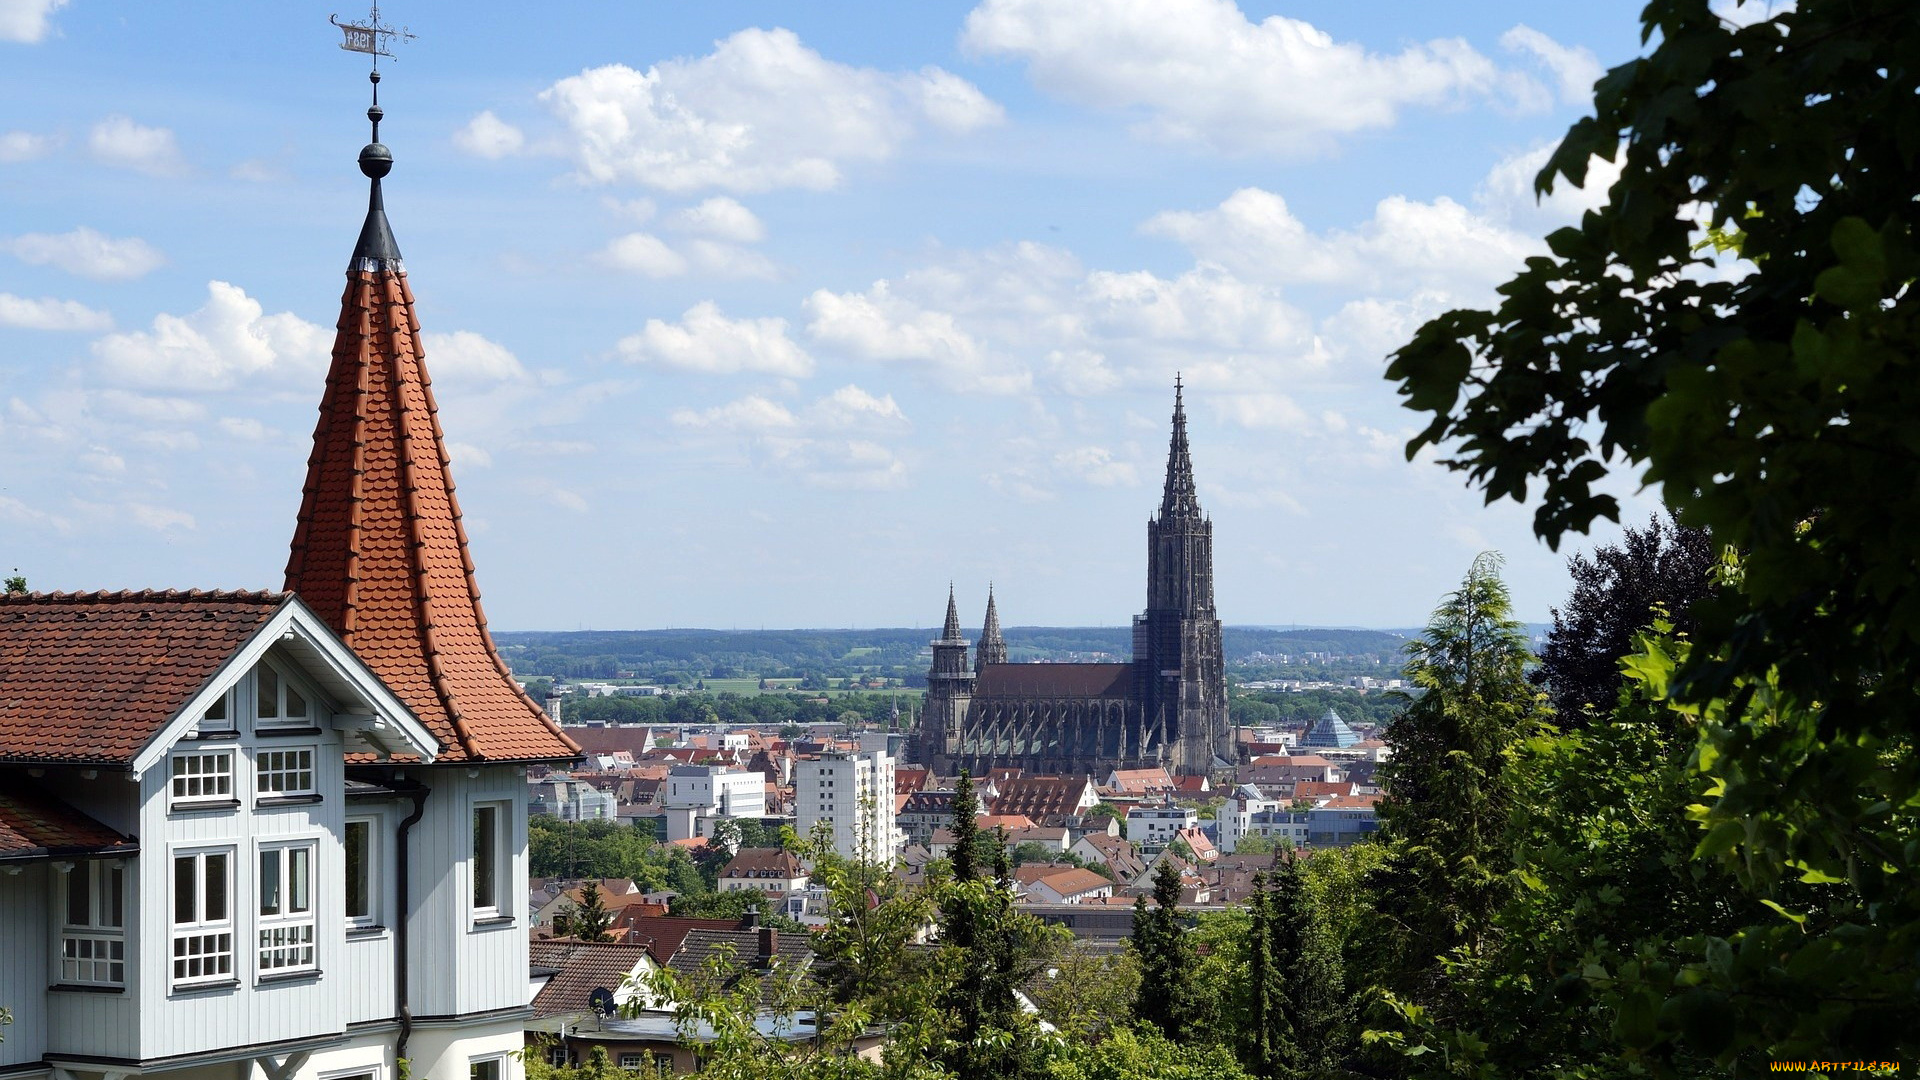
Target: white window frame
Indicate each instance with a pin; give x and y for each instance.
(491, 902)
(277, 771)
(284, 941)
(369, 873)
(476, 1065)
(204, 937)
(93, 949)
(208, 724)
(633, 1062)
(286, 688)
(216, 784)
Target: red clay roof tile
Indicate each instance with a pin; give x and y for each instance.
(379, 551)
(90, 677)
(34, 824)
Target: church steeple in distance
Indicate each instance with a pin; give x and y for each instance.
(1179, 499)
(993, 647)
(951, 632)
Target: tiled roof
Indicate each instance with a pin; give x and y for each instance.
(763, 862)
(1040, 797)
(33, 824)
(90, 677)
(663, 934)
(379, 551)
(580, 968)
(741, 950)
(1071, 881)
(1053, 681)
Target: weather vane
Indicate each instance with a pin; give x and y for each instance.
(370, 37)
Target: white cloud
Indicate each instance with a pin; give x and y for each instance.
(120, 142)
(706, 341)
(1263, 410)
(1201, 72)
(878, 325)
(87, 253)
(488, 136)
(464, 356)
(828, 443)
(753, 413)
(99, 459)
(224, 342)
(721, 218)
(50, 314)
(469, 456)
(1096, 466)
(1743, 13)
(246, 428)
(259, 171)
(568, 500)
(150, 410)
(638, 211)
(644, 253)
(27, 21)
(762, 111)
(1574, 67)
(714, 258)
(24, 145)
(12, 509)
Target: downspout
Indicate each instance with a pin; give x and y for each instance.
(419, 793)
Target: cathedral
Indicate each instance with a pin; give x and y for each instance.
(1167, 707)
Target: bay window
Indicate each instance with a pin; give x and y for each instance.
(202, 917)
(93, 937)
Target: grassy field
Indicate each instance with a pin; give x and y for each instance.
(750, 686)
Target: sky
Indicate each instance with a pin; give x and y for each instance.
(748, 314)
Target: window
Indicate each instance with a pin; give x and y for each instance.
(282, 773)
(217, 718)
(557, 1056)
(93, 942)
(276, 702)
(202, 917)
(485, 1069)
(489, 860)
(286, 908)
(359, 842)
(203, 777)
(632, 1061)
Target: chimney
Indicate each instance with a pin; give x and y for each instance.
(769, 944)
(751, 919)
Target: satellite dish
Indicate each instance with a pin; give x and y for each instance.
(600, 1000)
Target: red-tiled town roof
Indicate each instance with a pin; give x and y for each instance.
(580, 968)
(34, 824)
(379, 551)
(1040, 797)
(764, 863)
(90, 677)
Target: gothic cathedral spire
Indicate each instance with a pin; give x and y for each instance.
(1179, 498)
(993, 647)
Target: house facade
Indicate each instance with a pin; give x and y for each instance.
(280, 834)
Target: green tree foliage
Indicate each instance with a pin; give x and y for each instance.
(734, 904)
(1144, 1054)
(598, 1066)
(1300, 1010)
(1446, 807)
(1773, 407)
(1086, 992)
(15, 583)
(1166, 999)
(1663, 569)
(863, 954)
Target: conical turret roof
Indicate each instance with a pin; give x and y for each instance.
(991, 631)
(379, 551)
(951, 632)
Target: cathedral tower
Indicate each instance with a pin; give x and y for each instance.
(949, 691)
(1179, 665)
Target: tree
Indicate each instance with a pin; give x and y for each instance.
(1772, 404)
(1446, 806)
(1306, 1005)
(1166, 997)
(1661, 570)
(16, 583)
(863, 952)
(592, 920)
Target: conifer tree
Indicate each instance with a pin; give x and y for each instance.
(591, 921)
(1311, 1002)
(1166, 997)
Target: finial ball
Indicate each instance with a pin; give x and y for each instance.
(374, 114)
(376, 160)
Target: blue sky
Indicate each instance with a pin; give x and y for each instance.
(783, 314)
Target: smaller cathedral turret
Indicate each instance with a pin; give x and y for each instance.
(949, 690)
(993, 647)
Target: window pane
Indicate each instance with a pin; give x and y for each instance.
(484, 848)
(298, 860)
(216, 887)
(114, 881)
(357, 854)
(269, 883)
(183, 884)
(216, 713)
(266, 683)
(296, 705)
(78, 914)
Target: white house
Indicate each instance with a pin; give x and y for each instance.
(280, 834)
(696, 796)
(1154, 827)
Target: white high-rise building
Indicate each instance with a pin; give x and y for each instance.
(853, 792)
